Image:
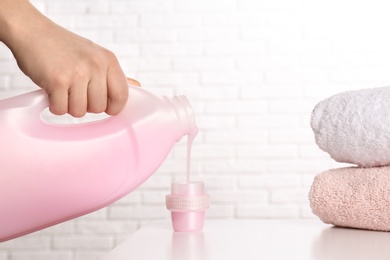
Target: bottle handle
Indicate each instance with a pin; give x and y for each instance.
(37, 101)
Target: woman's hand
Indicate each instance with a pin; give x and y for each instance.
(78, 75)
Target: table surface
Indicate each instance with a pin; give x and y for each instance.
(253, 239)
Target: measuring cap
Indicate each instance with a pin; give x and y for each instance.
(187, 203)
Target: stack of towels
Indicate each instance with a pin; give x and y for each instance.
(354, 127)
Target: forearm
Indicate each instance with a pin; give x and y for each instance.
(17, 19)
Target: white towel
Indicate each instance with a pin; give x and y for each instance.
(354, 126)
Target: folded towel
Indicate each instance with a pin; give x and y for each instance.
(353, 197)
(354, 126)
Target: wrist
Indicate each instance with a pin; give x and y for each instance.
(17, 18)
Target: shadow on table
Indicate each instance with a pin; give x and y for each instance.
(338, 243)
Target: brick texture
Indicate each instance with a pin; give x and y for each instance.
(252, 69)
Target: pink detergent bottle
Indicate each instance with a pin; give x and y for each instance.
(52, 173)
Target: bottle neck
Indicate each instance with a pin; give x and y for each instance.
(185, 115)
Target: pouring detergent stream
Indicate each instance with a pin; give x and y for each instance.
(188, 200)
(71, 170)
(190, 140)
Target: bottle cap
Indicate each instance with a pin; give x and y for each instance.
(187, 203)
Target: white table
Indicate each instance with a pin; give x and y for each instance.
(257, 240)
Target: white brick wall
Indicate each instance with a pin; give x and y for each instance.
(252, 69)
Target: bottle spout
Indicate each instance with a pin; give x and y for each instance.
(185, 114)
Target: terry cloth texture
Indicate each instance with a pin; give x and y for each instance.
(353, 197)
(354, 126)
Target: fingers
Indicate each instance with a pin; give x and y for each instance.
(97, 95)
(78, 100)
(73, 103)
(117, 89)
(133, 82)
(58, 102)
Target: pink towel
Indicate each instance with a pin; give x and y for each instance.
(353, 197)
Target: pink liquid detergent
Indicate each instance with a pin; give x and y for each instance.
(53, 173)
(188, 200)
